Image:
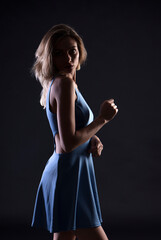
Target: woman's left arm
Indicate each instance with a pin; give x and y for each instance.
(96, 146)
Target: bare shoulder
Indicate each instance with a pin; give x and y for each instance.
(63, 84)
(63, 81)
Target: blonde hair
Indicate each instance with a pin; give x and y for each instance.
(43, 67)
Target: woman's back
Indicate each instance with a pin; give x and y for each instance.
(52, 105)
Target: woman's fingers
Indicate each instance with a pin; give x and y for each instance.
(96, 147)
(96, 151)
(108, 109)
(114, 105)
(111, 100)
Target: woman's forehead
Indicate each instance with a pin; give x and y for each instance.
(66, 43)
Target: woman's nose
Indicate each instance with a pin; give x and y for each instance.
(68, 57)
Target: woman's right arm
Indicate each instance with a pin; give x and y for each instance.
(70, 138)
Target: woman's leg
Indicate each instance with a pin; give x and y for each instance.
(68, 235)
(94, 233)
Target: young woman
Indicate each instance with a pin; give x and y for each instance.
(67, 202)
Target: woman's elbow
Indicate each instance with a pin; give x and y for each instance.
(67, 146)
(69, 143)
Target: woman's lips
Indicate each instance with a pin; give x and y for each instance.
(69, 67)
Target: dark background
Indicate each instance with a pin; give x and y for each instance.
(124, 62)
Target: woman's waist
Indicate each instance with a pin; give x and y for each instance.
(81, 149)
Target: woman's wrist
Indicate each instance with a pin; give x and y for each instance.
(102, 120)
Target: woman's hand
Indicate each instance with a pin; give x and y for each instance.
(108, 110)
(96, 146)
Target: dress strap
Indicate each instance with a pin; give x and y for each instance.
(48, 94)
(51, 82)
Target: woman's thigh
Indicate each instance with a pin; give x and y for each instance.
(94, 233)
(69, 235)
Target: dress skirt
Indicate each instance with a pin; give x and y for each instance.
(67, 197)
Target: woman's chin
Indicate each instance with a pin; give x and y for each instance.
(67, 73)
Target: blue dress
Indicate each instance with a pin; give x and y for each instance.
(67, 196)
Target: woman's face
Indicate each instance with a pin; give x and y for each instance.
(66, 56)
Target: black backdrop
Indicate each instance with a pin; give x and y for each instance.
(124, 62)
